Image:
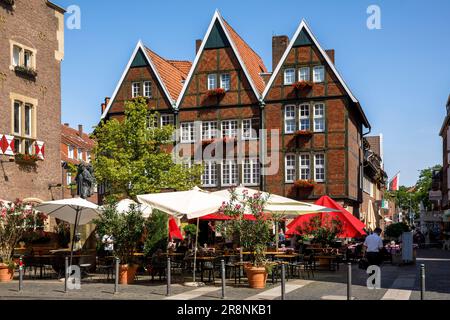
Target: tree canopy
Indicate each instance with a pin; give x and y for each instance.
(131, 157)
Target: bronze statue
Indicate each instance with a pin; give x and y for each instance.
(85, 180)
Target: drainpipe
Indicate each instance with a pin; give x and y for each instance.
(262, 144)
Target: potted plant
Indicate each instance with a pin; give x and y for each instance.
(304, 184)
(15, 220)
(253, 235)
(27, 71)
(26, 159)
(126, 230)
(218, 92)
(302, 85)
(303, 133)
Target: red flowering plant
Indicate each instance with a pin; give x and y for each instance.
(218, 92)
(302, 85)
(303, 133)
(253, 235)
(26, 158)
(304, 184)
(16, 219)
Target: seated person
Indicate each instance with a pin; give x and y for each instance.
(182, 248)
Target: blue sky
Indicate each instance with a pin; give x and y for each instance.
(400, 74)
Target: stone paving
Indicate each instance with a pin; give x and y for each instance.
(397, 283)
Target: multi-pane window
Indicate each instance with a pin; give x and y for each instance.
(209, 176)
(319, 167)
(251, 172)
(225, 81)
(319, 74)
(289, 76)
(209, 130)
(88, 156)
(229, 128)
(70, 151)
(22, 56)
(212, 81)
(289, 119)
(319, 117)
(303, 114)
(250, 129)
(135, 89)
(290, 168)
(229, 173)
(68, 178)
(166, 120)
(304, 166)
(147, 89)
(80, 154)
(367, 186)
(23, 127)
(187, 132)
(303, 74)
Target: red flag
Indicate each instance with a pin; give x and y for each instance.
(394, 184)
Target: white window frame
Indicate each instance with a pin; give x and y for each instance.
(229, 128)
(304, 76)
(230, 174)
(286, 72)
(225, 83)
(88, 156)
(319, 167)
(290, 118)
(212, 81)
(68, 178)
(304, 166)
(190, 126)
(166, 119)
(318, 74)
(135, 93)
(247, 132)
(19, 104)
(79, 154)
(254, 171)
(70, 151)
(209, 130)
(319, 117)
(289, 168)
(304, 116)
(147, 89)
(211, 176)
(14, 57)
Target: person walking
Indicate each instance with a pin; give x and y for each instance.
(374, 244)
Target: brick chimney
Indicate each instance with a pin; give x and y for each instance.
(279, 45)
(80, 130)
(66, 124)
(198, 43)
(330, 53)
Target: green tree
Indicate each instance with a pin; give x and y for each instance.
(132, 158)
(423, 185)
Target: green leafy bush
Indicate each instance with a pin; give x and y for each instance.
(395, 230)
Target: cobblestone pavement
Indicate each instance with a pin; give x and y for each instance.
(397, 283)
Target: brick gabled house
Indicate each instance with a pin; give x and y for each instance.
(227, 98)
(321, 121)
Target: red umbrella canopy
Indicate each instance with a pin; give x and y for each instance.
(174, 230)
(352, 226)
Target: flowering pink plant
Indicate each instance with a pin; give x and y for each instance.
(16, 218)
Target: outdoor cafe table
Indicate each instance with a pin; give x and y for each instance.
(201, 260)
(326, 261)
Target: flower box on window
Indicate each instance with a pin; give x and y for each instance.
(304, 184)
(303, 133)
(302, 85)
(219, 92)
(8, 2)
(26, 159)
(29, 72)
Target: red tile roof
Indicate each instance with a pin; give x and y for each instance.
(253, 62)
(172, 72)
(71, 136)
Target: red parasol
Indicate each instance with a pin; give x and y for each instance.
(174, 230)
(352, 226)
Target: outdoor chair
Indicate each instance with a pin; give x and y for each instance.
(305, 265)
(105, 267)
(85, 263)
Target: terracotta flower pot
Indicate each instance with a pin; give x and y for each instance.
(127, 273)
(257, 277)
(6, 274)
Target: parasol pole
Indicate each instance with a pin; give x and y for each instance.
(77, 210)
(195, 249)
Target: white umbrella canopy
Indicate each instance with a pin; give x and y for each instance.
(277, 204)
(123, 206)
(66, 210)
(192, 204)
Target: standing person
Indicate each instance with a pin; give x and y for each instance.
(374, 244)
(108, 241)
